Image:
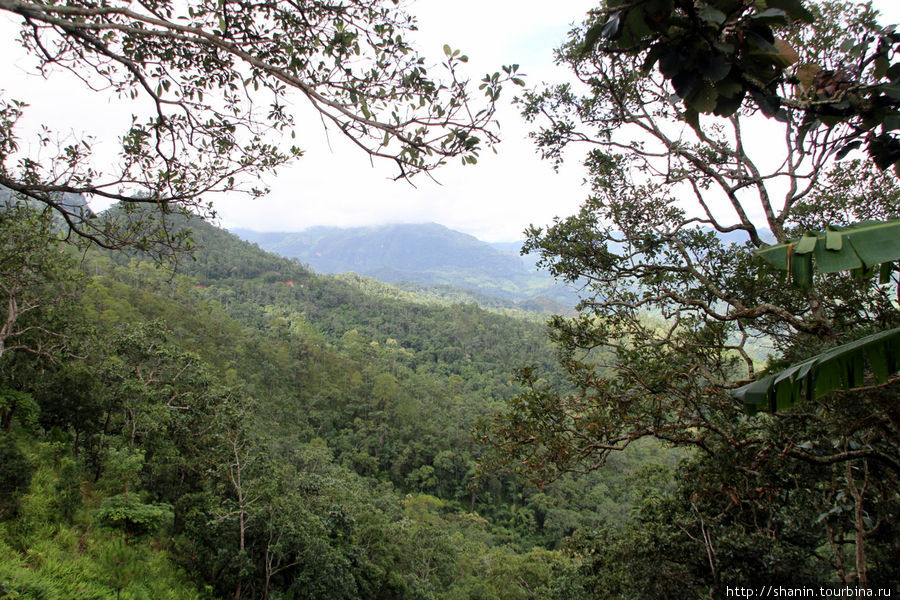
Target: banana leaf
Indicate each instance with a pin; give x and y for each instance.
(859, 248)
(843, 367)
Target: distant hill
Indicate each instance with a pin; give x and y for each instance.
(428, 255)
(74, 202)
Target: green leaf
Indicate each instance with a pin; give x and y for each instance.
(891, 122)
(655, 53)
(755, 396)
(692, 118)
(635, 28)
(893, 72)
(847, 148)
(806, 244)
(859, 246)
(884, 274)
(875, 241)
(882, 64)
(702, 99)
(762, 44)
(728, 105)
(731, 88)
(880, 362)
(835, 261)
(840, 367)
(711, 15)
(715, 68)
(833, 239)
(769, 105)
(794, 8)
(884, 150)
(802, 271)
(891, 89)
(684, 83)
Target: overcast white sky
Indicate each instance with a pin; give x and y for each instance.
(494, 200)
(334, 184)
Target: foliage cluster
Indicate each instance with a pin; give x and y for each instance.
(718, 54)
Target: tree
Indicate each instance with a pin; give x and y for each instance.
(37, 280)
(717, 54)
(677, 311)
(220, 77)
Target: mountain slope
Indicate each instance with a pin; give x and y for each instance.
(426, 254)
(245, 424)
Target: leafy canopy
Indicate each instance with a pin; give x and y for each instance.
(687, 178)
(676, 310)
(716, 54)
(218, 79)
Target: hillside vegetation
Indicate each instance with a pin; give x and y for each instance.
(246, 428)
(428, 256)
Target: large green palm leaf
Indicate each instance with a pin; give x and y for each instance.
(858, 248)
(843, 367)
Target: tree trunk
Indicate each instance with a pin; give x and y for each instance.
(858, 495)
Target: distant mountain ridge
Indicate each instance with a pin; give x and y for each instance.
(73, 202)
(427, 254)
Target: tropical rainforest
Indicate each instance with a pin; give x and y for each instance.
(244, 427)
(183, 415)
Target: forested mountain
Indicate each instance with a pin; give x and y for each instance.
(185, 416)
(426, 254)
(242, 427)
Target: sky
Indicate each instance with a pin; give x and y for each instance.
(335, 184)
(494, 200)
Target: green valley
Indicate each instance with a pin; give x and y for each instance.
(244, 427)
(428, 258)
